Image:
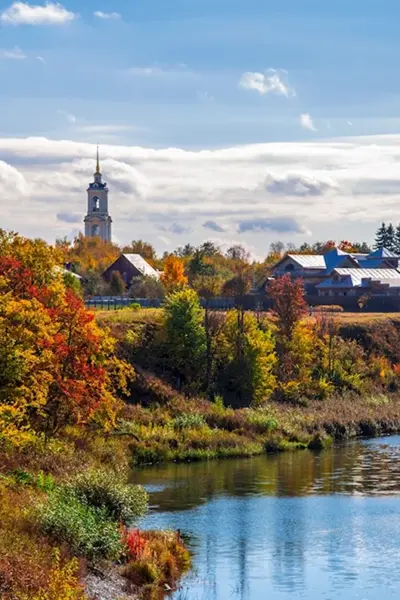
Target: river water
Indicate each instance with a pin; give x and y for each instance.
(296, 525)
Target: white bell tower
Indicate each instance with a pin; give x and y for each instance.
(98, 221)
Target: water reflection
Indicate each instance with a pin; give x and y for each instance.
(304, 525)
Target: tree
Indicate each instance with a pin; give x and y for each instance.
(238, 253)
(200, 265)
(208, 288)
(209, 249)
(381, 238)
(185, 336)
(117, 284)
(248, 373)
(390, 237)
(396, 248)
(145, 249)
(185, 251)
(89, 254)
(56, 366)
(146, 287)
(73, 283)
(173, 276)
(277, 248)
(289, 303)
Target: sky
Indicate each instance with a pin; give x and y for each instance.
(236, 121)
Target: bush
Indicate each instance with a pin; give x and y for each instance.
(87, 530)
(135, 306)
(188, 421)
(119, 501)
(332, 308)
(63, 583)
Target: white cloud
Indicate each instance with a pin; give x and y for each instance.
(22, 13)
(337, 188)
(41, 59)
(113, 16)
(272, 81)
(307, 122)
(14, 54)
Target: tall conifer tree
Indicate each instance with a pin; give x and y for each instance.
(390, 238)
(381, 237)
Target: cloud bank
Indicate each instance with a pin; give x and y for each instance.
(263, 192)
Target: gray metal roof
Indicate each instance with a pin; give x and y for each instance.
(139, 262)
(354, 278)
(309, 261)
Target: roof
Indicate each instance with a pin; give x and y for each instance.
(354, 278)
(308, 261)
(373, 263)
(141, 265)
(382, 253)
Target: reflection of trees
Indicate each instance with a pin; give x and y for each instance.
(352, 468)
(289, 545)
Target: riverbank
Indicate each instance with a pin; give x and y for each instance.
(189, 430)
(66, 515)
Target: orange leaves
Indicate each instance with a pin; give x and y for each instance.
(173, 276)
(58, 367)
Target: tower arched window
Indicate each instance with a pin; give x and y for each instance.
(96, 230)
(96, 204)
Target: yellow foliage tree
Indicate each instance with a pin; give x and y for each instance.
(173, 276)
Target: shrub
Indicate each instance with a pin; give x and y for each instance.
(135, 306)
(63, 583)
(102, 490)
(188, 421)
(261, 421)
(41, 481)
(87, 530)
(332, 308)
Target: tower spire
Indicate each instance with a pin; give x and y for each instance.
(98, 161)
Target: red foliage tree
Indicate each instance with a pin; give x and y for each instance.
(289, 303)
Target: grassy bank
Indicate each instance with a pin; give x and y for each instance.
(66, 518)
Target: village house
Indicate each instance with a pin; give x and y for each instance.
(315, 270)
(130, 266)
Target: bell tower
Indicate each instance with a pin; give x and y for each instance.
(98, 221)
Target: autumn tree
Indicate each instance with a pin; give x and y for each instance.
(248, 371)
(56, 366)
(89, 254)
(173, 276)
(146, 250)
(288, 302)
(209, 287)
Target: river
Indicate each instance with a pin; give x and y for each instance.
(298, 525)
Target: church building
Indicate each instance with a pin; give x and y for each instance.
(98, 221)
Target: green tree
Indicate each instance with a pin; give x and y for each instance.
(390, 237)
(185, 336)
(396, 247)
(250, 359)
(381, 237)
(117, 284)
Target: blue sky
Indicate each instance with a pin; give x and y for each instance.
(204, 75)
(341, 59)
